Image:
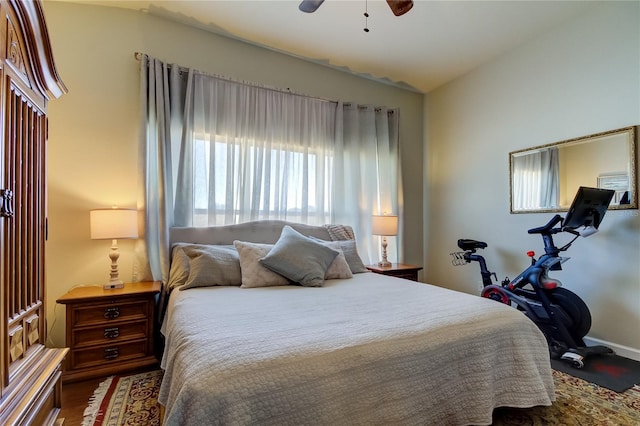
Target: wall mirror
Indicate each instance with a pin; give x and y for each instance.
(546, 178)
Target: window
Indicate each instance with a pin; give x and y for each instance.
(234, 179)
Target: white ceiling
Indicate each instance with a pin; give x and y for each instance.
(432, 44)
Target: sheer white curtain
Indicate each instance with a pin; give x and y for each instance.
(536, 180)
(550, 182)
(254, 153)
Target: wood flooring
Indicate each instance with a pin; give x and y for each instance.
(75, 398)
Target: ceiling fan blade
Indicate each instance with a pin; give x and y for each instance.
(399, 7)
(310, 6)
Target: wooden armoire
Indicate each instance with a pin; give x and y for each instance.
(29, 372)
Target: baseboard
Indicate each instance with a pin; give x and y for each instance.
(621, 350)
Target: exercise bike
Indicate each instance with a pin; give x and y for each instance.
(561, 315)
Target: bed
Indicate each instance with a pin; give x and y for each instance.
(368, 349)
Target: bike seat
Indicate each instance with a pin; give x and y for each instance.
(465, 244)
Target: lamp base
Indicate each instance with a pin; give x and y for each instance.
(384, 262)
(115, 281)
(113, 285)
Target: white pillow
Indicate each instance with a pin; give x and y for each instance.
(253, 273)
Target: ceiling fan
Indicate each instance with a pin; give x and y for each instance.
(398, 7)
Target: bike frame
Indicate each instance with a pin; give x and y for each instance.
(484, 272)
(552, 318)
(535, 303)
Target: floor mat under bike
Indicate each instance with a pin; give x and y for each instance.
(610, 371)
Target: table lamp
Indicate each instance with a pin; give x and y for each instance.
(113, 224)
(384, 225)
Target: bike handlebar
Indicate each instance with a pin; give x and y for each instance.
(548, 228)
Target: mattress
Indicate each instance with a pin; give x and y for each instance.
(371, 350)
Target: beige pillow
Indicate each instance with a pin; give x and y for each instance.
(339, 268)
(253, 273)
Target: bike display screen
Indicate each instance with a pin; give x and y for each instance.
(588, 207)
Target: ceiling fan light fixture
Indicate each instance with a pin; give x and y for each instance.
(400, 7)
(310, 6)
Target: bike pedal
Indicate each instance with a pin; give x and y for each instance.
(574, 358)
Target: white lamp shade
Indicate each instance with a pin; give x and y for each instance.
(114, 224)
(385, 225)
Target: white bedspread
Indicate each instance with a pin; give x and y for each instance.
(372, 350)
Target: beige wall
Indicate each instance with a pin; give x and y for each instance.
(94, 129)
(577, 80)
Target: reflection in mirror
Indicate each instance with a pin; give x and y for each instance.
(546, 178)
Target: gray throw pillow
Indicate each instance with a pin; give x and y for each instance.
(350, 250)
(299, 258)
(179, 271)
(212, 265)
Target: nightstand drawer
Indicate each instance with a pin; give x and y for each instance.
(83, 358)
(108, 333)
(109, 312)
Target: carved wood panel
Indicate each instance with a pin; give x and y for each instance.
(29, 372)
(23, 242)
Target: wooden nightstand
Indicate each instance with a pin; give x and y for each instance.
(109, 331)
(400, 270)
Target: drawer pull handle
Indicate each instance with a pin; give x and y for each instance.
(111, 313)
(111, 333)
(111, 353)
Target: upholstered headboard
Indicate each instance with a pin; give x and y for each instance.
(264, 231)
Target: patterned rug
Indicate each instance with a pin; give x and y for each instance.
(578, 403)
(125, 401)
(131, 401)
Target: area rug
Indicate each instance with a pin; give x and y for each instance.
(578, 403)
(125, 401)
(611, 371)
(132, 401)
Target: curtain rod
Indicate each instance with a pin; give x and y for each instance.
(139, 56)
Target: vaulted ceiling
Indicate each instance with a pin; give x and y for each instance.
(435, 42)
